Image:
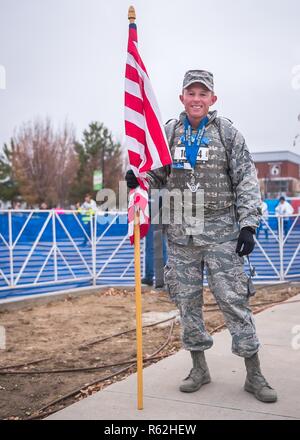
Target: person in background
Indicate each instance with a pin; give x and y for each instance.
(43, 206)
(89, 203)
(263, 225)
(155, 251)
(88, 209)
(284, 209)
(17, 206)
(59, 210)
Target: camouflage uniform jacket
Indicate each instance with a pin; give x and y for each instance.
(231, 190)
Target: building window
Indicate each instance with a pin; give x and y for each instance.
(276, 188)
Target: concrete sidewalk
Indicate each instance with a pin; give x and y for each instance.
(224, 398)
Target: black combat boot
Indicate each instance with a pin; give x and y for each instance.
(256, 383)
(199, 374)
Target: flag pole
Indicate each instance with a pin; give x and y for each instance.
(138, 289)
(138, 301)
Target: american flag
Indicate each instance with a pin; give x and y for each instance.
(145, 136)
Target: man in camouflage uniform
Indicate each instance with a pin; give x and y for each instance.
(223, 168)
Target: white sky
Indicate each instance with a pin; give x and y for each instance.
(66, 59)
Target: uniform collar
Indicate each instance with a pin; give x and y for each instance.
(211, 116)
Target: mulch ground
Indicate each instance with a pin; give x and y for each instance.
(94, 330)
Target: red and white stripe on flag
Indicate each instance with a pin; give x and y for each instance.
(145, 136)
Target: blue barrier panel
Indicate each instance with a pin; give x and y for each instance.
(35, 224)
(44, 251)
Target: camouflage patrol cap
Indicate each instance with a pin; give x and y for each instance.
(199, 76)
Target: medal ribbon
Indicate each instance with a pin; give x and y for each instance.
(192, 148)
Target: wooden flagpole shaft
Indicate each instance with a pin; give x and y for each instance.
(138, 300)
(138, 287)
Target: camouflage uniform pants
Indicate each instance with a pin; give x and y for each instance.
(229, 285)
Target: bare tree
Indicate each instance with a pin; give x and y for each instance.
(45, 163)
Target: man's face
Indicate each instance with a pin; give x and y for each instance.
(196, 100)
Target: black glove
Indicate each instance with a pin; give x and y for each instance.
(245, 241)
(131, 180)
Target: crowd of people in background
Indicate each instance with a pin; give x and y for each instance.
(284, 209)
(88, 203)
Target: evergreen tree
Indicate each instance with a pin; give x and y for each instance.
(97, 151)
(9, 188)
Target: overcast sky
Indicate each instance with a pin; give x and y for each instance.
(65, 59)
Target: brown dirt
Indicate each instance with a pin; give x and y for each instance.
(62, 329)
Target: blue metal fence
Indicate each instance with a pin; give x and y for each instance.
(46, 251)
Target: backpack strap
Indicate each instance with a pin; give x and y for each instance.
(225, 128)
(170, 128)
(226, 132)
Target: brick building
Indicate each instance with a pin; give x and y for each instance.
(278, 173)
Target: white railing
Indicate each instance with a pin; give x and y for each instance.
(278, 256)
(55, 249)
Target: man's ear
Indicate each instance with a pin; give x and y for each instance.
(181, 98)
(214, 99)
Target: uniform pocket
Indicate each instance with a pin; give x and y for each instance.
(171, 282)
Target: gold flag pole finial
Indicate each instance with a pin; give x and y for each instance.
(131, 14)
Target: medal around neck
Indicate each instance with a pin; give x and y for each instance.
(193, 187)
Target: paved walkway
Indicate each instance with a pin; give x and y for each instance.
(224, 398)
